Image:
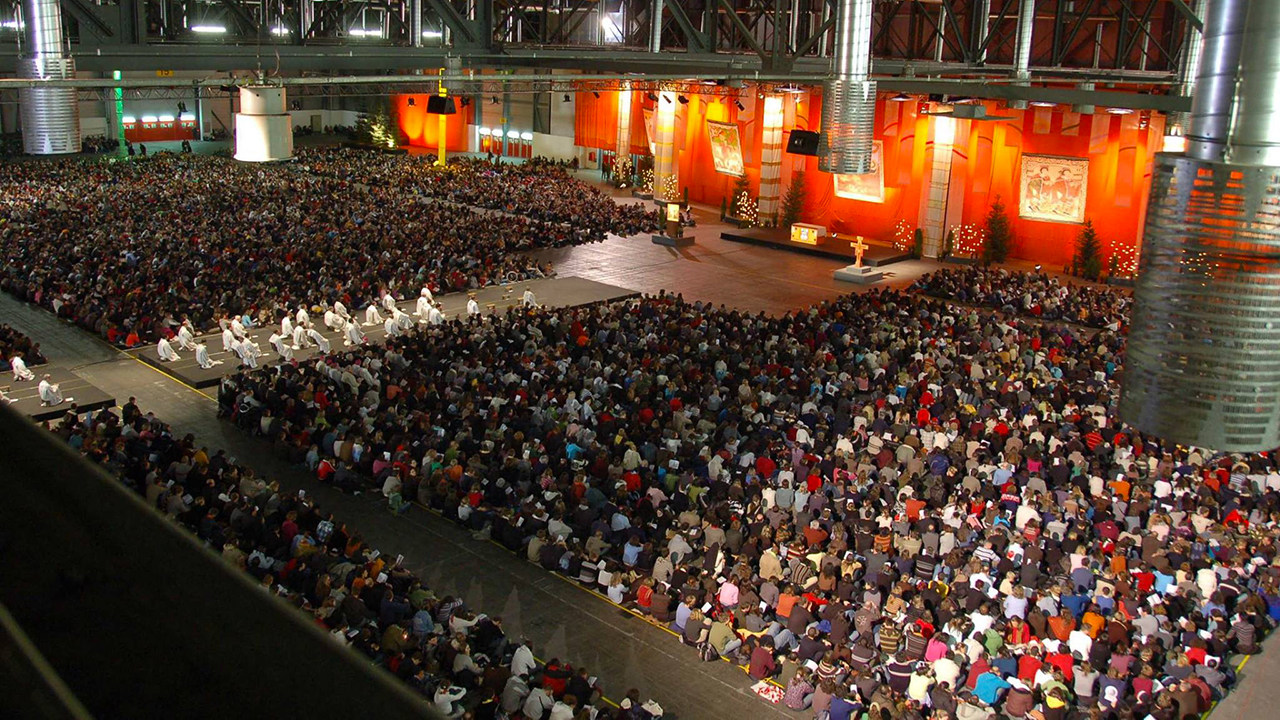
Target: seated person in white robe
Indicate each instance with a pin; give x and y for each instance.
(372, 316)
(528, 300)
(20, 371)
(321, 341)
(280, 343)
(391, 328)
(286, 326)
(186, 336)
(228, 338)
(300, 338)
(165, 351)
(473, 307)
(302, 318)
(334, 321)
(203, 359)
(49, 393)
(402, 319)
(389, 301)
(355, 336)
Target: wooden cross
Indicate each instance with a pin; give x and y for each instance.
(859, 248)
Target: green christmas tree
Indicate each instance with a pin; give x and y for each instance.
(917, 244)
(379, 124)
(949, 246)
(999, 236)
(1087, 262)
(793, 202)
(741, 193)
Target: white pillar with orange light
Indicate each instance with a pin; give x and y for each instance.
(933, 202)
(771, 159)
(666, 185)
(622, 150)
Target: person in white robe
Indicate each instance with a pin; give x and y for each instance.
(286, 326)
(473, 307)
(246, 351)
(355, 336)
(203, 359)
(5, 398)
(281, 344)
(334, 321)
(237, 328)
(320, 340)
(165, 351)
(403, 321)
(528, 300)
(341, 310)
(20, 371)
(434, 315)
(300, 340)
(424, 304)
(372, 316)
(389, 301)
(228, 338)
(302, 318)
(49, 393)
(186, 337)
(391, 328)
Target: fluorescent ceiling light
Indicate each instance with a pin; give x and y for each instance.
(128, 120)
(281, 30)
(1042, 103)
(362, 32)
(513, 134)
(166, 118)
(210, 29)
(186, 117)
(485, 131)
(526, 136)
(11, 24)
(149, 118)
(432, 34)
(1120, 111)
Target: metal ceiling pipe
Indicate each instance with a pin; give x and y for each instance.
(982, 16)
(50, 116)
(415, 21)
(655, 30)
(1215, 85)
(1203, 354)
(1188, 68)
(849, 95)
(1022, 49)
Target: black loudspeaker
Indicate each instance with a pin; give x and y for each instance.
(437, 105)
(803, 142)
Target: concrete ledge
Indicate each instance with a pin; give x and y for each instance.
(685, 241)
(860, 275)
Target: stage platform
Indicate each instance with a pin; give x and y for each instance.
(876, 255)
(550, 292)
(25, 396)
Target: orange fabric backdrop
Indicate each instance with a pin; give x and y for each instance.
(423, 129)
(986, 164)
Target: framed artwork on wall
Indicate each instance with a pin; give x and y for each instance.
(868, 187)
(1053, 188)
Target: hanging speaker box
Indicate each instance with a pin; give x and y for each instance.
(437, 105)
(803, 142)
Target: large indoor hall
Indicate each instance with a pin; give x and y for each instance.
(639, 359)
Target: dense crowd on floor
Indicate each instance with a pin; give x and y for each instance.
(1033, 294)
(888, 502)
(130, 249)
(460, 661)
(538, 189)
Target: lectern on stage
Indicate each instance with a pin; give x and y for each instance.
(674, 235)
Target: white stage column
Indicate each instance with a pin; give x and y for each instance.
(622, 151)
(771, 160)
(933, 202)
(664, 163)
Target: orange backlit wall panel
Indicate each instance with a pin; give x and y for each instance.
(986, 163)
(423, 129)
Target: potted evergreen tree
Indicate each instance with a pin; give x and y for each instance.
(742, 206)
(1087, 262)
(917, 244)
(999, 235)
(793, 201)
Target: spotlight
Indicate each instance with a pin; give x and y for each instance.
(494, 99)
(683, 100)
(466, 102)
(566, 97)
(651, 97)
(1037, 267)
(901, 97)
(740, 105)
(412, 103)
(595, 94)
(666, 98)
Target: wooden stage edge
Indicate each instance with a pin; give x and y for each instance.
(876, 255)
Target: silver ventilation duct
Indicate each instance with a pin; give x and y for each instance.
(849, 95)
(655, 27)
(1022, 49)
(50, 116)
(1203, 358)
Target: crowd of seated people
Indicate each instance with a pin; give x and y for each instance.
(539, 189)
(461, 662)
(127, 249)
(13, 342)
(886, 502)
(1032, 294)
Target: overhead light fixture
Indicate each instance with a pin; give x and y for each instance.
(485, 131)
(150, 118)
(209, 29)
(791, 89)
(280, 30)
(363, 32)
(901, 97)
(11, 25)
(1120, 111)
(187, 117)
(513, 134)
(128, 120)
(1042, 103)
(683, 100)
(494, 99)
(166, 118)
(566, 97)
(666, 98)
(411, 102)
(595, 94)
(1174, 144)
(182, 107)
(651, 97)
(526, 136)
(433, 34)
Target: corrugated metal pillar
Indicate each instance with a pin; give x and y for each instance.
(50, 116)
(849, 95)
